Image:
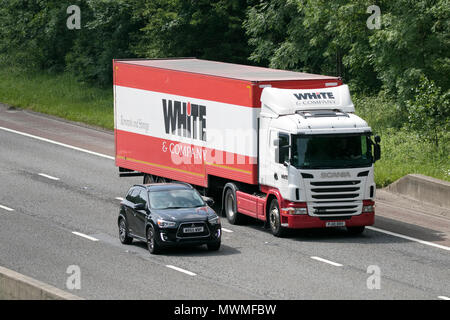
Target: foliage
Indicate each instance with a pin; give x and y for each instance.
(193, 28)
(429, 112)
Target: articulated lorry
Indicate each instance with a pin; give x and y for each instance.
(279, 146)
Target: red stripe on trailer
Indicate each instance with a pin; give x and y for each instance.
(178, 162)
(203, 86)
(186, 84)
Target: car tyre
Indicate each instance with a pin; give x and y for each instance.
(355, 230)
(152, 244)
(123, 232)
(275, 219)
(213, 246)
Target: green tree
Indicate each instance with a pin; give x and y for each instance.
(109, 30)
(33, 33)
(201, 28)
(413, 41)
(429, 112)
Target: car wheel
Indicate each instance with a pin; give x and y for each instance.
(123, 232)
(275, 220)
(355, 230)
(213, 246)
(152, 245)
(233, 216)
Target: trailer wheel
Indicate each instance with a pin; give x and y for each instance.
(275, 220)
(148, 178)
(230, 207)
(161, 180)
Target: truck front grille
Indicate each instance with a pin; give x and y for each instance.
(335, 198)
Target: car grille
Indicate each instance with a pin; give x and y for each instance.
(335, 198)
(182, 234)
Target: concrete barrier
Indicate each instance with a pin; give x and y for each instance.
(16, 286)
(433, 191)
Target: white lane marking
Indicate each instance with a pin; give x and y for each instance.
(226, 230)
(181, 270)
(327, 261)
(410, 238)
(6, 208)
(119, 198)
(84, 236)
(444, 298)
(58, 143)
(48, 177)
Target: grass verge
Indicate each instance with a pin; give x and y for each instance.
(58, 95)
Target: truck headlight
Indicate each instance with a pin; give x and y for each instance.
(368, 206)
(165, 224)
(292, 210)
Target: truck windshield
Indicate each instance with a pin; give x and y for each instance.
(331, 151)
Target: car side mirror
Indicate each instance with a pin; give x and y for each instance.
(209, 201)
(139, 206)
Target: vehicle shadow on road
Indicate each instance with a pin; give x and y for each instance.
(368, 236)
(193, 251)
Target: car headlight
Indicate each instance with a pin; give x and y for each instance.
(214, 220)
(165, 224)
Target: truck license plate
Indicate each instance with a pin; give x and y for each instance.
(193, 230)
(335, 224)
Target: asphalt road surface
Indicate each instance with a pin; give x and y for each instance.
(59, 191)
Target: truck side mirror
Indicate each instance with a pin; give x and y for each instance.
(376, 152)
(377, 139)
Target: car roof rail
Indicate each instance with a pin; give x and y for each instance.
(184, 183)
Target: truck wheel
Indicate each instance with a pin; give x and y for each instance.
(230, 207)
(148, 178)
(161, 180)
(275, 220)
(355, 230)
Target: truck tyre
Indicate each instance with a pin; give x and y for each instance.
(355, 230)
(275, 219)
(148, 178)
(161, 180)
(230, 207)
(123, 232)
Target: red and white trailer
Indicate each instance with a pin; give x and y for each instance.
(235, 131)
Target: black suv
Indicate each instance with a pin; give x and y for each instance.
(167, 214)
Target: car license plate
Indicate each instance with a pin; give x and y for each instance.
(335, 224)
(193, 230)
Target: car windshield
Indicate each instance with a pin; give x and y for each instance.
(331, 151)
(172, 199)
